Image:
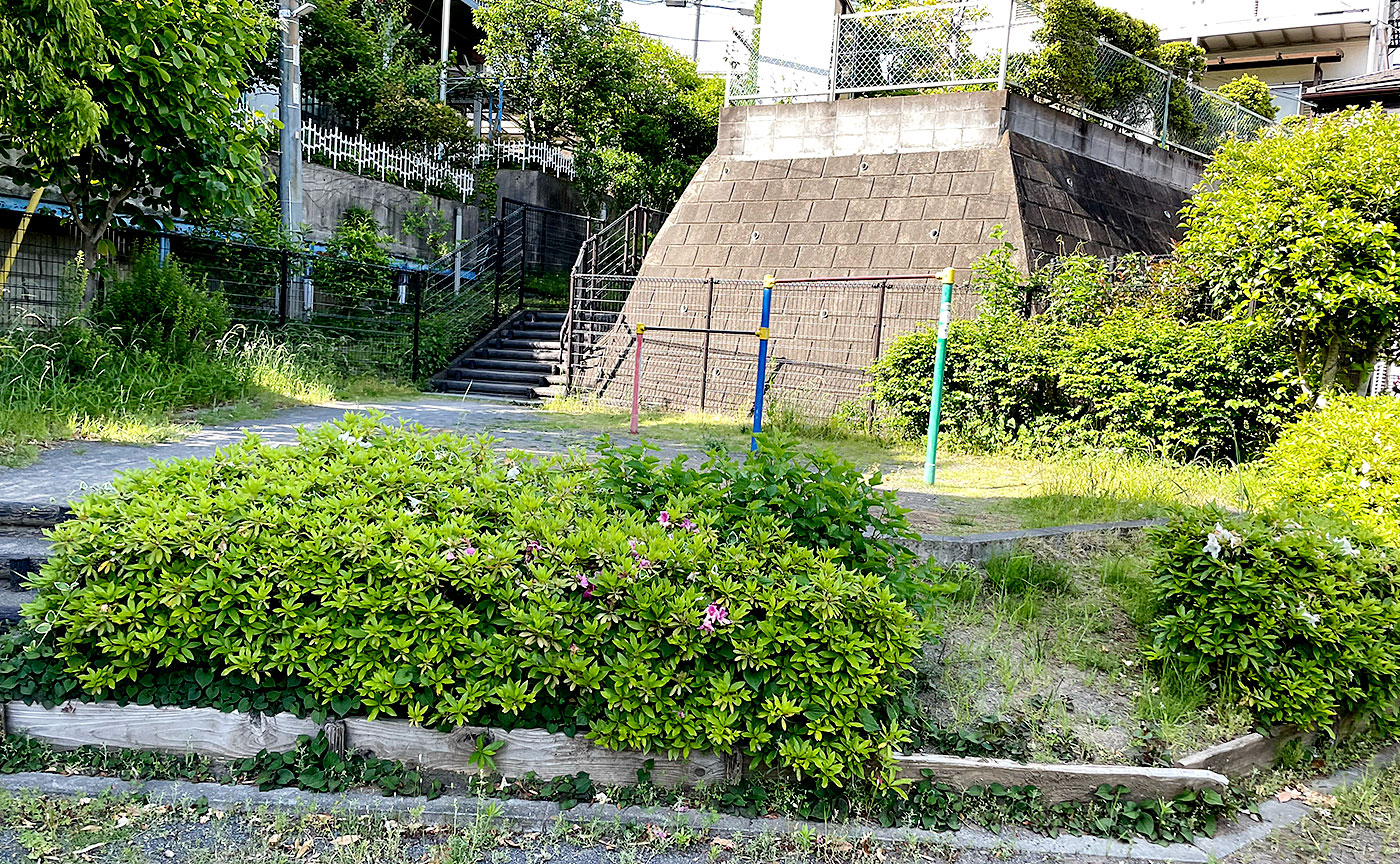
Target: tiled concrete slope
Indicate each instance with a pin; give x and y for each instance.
(914, 184)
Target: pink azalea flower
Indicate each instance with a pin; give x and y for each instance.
(664, 520)
(586, 586)
(687, 525)
(643, 563)
(632, 544)
(470, 551)
(450, 555)
(707, 626)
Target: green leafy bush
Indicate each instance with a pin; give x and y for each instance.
(1252, 93)
(829, 504)
(1342, 460)
(416, 575)
(1136, 379)
(158, 308)
(1295, 232)
(1298, 618)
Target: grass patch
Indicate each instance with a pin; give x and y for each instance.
(974, 492)
(72, 383)
(1057, 643)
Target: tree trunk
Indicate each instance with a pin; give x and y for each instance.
(1331, 365)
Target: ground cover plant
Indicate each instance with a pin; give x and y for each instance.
(483, 590)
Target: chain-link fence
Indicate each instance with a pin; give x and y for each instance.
(823, 336)
(407, 319)
(982, 46)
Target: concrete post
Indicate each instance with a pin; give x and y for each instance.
(289, 112)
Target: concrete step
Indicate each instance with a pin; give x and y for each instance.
(556, 318)
(524, 392)
(534, 378)
(515, 343)
(508, 365)
(538, 355)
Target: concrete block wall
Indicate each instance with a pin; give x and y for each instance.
(914, 184)
(869, 187)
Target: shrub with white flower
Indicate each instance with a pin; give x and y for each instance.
(1295, 615)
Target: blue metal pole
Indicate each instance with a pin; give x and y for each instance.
(762, 363)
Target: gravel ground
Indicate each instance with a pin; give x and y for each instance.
(125, 831)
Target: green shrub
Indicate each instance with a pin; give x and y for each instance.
(1296, 617)
(158, 308)
(829, 505)
(1295, 232)
(1252, 93)
(1342, 460)
(421, 576)
(1137, 379)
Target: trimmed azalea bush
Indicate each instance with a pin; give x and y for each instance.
(398, 573)
(1133, 378)
(1343, 460)
(1296, 617)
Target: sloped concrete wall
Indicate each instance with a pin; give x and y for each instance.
(914, 184)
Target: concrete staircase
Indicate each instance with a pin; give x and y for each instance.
(522, 360)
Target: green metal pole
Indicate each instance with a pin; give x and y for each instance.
(945, 315)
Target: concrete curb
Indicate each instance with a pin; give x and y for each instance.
(978, 548)
(539, 815)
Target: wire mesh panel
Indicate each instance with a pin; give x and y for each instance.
(700, 348)
(775, 70)
(917, 47)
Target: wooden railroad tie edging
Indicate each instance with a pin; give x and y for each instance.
(216, 734)
(220, 735)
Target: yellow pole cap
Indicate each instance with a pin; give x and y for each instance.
(641, 328)
(769, 281)
(950, 276)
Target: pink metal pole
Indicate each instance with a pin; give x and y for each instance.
(637, 380)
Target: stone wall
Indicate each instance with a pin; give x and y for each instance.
(328, 193)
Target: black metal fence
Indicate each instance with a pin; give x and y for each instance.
(406, 319)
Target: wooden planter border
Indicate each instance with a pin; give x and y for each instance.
(220, 735)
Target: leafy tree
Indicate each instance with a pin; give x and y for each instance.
(359, 54)
(1297, 231)
(564, 63)
(1068, 64)
(49, 50)
(173, 140)
(640, 114)
(1250, 92)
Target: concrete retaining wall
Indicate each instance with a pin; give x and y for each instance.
(913, 184)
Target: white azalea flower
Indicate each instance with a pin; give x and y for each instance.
(1365, 467)
(1212, 547)
(1312, 618)
(1344, 544)
(513, 472)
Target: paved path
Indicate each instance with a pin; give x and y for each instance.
(63, 472)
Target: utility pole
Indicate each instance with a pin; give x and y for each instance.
(442, 49)
(289, 112)
(681, 4)
(695, 50)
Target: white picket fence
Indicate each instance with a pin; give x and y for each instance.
(545, 157)
(411, 168)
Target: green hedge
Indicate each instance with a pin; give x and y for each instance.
(1343, 460)
(1296, 617)
(1134, 378)
(400, 573)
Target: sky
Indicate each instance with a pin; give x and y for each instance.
(677, 26)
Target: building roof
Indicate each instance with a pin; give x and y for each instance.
(1387, 79)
